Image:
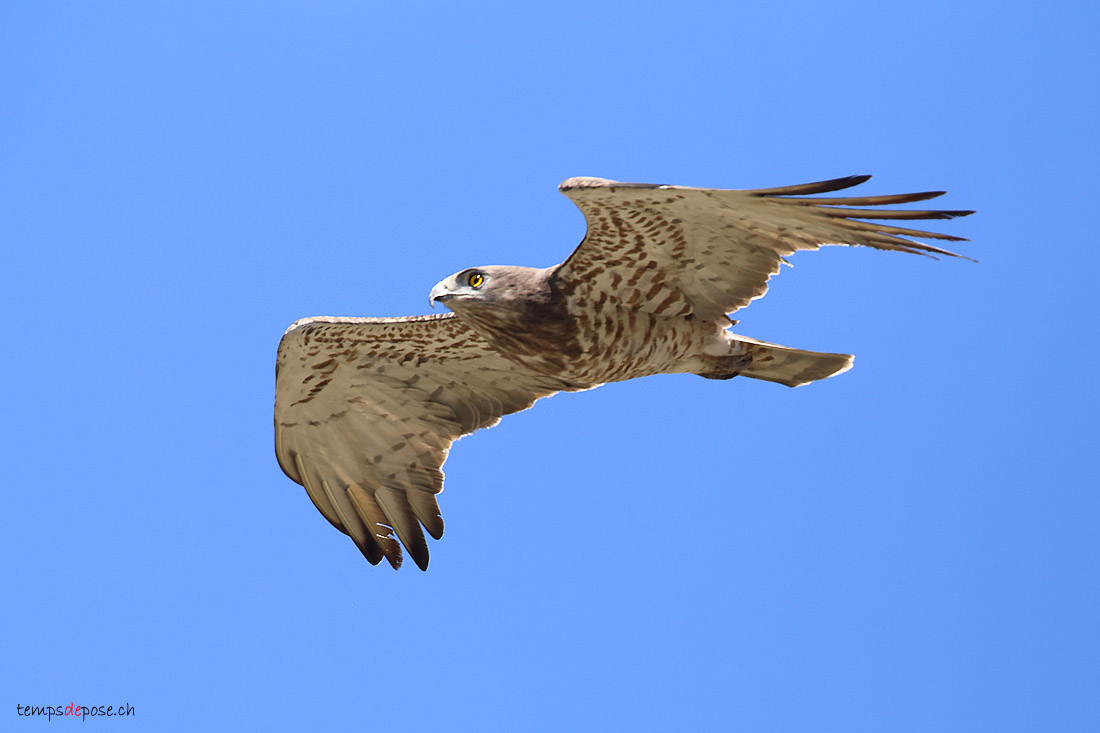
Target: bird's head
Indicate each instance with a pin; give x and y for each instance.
(493, 286)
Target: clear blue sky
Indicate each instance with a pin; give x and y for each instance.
(912, 546)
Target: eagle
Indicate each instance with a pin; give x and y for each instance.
(366, 409)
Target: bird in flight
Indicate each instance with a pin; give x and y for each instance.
(366, 409)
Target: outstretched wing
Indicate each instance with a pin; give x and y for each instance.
(367, 408)
(674, 250)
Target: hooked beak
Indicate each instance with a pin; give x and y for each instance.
(439, 293)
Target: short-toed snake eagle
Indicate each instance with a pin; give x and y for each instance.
(367, 408)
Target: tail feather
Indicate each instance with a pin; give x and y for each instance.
(792, 367)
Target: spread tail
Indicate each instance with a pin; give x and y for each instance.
(792, 367)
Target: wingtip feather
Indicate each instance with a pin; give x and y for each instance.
(804, 189)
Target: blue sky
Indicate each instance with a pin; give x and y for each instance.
(910, 546)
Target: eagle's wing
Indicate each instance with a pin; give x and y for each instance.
(674, 250)
(367, 408)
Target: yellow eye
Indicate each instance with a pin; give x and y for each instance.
(475, 280)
